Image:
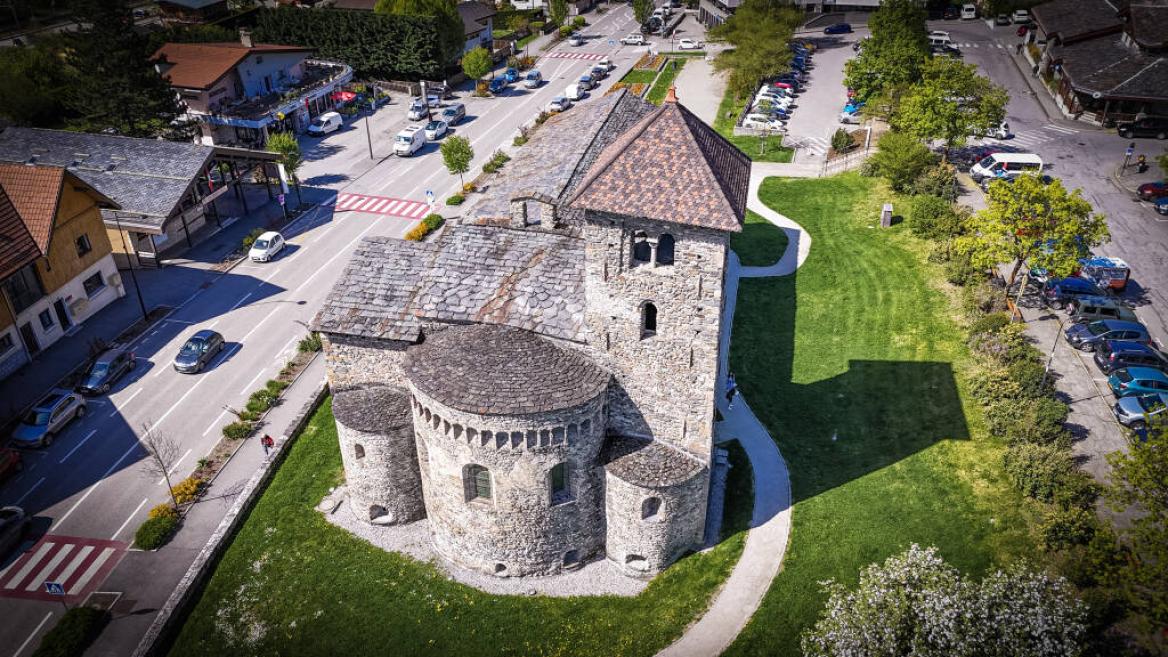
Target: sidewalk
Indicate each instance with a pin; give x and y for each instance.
(1037, 87)
(147, 579)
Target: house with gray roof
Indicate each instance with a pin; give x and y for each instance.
(537, 382)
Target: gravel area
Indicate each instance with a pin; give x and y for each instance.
(597, 577)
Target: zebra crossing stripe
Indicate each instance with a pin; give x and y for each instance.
(43, 574)
(377, 207)
(422, 209)
(91, 571)
(29, 565)
(1059, 128)
(82, 555)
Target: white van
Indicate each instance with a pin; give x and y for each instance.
(325, 123)
(1006, 165)
(939, 38)
(968, 12)
(409, 141)
(574, 92)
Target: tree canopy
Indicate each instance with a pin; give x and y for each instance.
(900, 159)
(457, 155)
(450, 28)
(642, 9)
(558, 11)
(758, 33)
(476, 63)
(891, 59)
(1029, 220)
(950, 101)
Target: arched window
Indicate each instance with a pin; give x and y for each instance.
(561, 487)
(359, 451)
(478, 483)
(650, 508)
(642, 250)
(665, 245)
(648, 320)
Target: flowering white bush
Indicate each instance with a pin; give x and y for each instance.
(916, 605)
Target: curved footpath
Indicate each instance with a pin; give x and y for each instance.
(771, 523)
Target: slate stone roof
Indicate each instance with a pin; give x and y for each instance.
(35, 192)
(143, 176)
(1107, 66)
(708, 176)
(1071, 20)
(1148, 22)
(526, 279)
(496, 370)
(374, 409)
(474, 15)
(647, 462)
(17, 247)
(201, 65)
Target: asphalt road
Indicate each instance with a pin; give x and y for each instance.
(92, 482)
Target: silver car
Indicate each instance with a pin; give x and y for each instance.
(47, 418)
(1133, 412)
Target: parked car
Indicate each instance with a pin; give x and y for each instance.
(13, 527)
(1113, 355)
(266, 246)
(105, 371)
(559, 104)
(1021, 16)
(1149, 126)
(453, 114)
(951, 13)
(606, 62)
(586, 82)
(1161, 205)
(1153, 190)
(511, 75)
(598, 72)
(1000, 131)
(418, 110)
(1086, 337)
(45, 420)
(762, 122)
(690, 44)
(1089, 309)
(497, 85)
(838, 28)
(945, 50)
(11, 462)
(633, 40)
(197, 351)
(1002, 19)
(1131, 381)
(409, 141)
(1112, 273)
(968, 12)
(533, 79)
(849, 118)
(1133, 412)
(1058, 292)
(575, 40)
(436, 130)
(325, 123)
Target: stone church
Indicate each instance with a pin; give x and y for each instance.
(538, 381)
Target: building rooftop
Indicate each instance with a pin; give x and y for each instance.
(474, 14)
(497, 370)
(374, 409)
(17, 247)
(34, 191)
(1149, 22)
(191, 4)
(1070, 20)
(201, 65)
(649, 463)
(708, 176)
(143, 176)
(1115, 70)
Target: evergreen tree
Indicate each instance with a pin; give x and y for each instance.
(450, 28)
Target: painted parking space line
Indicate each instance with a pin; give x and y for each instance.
(77, 446)
(29, 491)
(118, 409)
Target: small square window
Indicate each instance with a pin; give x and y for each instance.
(93, 284)
(83, 245)
(46, 319)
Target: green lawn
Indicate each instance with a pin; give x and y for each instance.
(856, 367)
(522, 43)
(639, 77)
(760, 243)
(769, 149)
(661, 86)
(292, 584)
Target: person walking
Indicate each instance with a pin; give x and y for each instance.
(268, 444)
(731, 391)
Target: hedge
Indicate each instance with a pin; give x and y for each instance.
(155, 532)
(427, 226)
(76, 630)
(375, 45)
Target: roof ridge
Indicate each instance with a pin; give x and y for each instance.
(619, 146)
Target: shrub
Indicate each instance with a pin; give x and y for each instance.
(579, 21)
(1094, 562)
(237, 430)
(1030, 376)
(519, 140)
(1063, 528)
(565, 31)
(468, 188)
(455, 199)
(933, 218)
(251, 237)
(187, 490)
(841, 141)
(901, 159)
(1079, 490)
(991, 323)
(526, 62)
(249, 416)
(1036, 421)
(960, 271)
(938, 181)
(275, 387)
(498, 159)
(537, 26)
(1005, 345)
(512, 61)
(309, 343)
(1038, 470)
(542, 116)
(428, 225)
(981, 297)
(77, 629)
(155, 532)
(262, 400)
(164, 510)
(991, 385)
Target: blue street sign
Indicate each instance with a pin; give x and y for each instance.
(430, 195)
(54, 588)
(1130, 150)
(280, 198)
(612, 42)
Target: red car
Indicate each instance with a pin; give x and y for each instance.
(11, 462)
(1153, 190)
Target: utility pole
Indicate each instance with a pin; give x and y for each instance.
(130, 257)
(368, 136)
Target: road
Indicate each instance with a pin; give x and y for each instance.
(92, 484)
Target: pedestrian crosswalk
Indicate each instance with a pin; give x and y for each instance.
(79, 565)
(1035, 137)
(812, 145)
(589, 56)
(381, 205)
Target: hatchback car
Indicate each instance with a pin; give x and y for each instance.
(1153, 190)
(1161, 205)
(13, 527)
(42, 422)
(1088, 336)
(586, 82)
(633, 40)
(454, 114)
(1002, 19)
(435, 130)
(110, 366)
(1131, 381)
(1114, 355)
(511, 75)
(838, 28)
(1058, 292)
(266, 246)
(1089, 309)
(559, 104)
(575, 40)
(1021, 16)
(194, 355)
(1149, 126)
(690, 44)
(532, 80)
(497, 86)
(1134, 411)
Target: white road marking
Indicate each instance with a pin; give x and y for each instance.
(249, 384)
(58, 521)
(118, 409)
(237, 303)
(33, 635)
(91, 571)
(77, 446)
(79, 559)
(29, 491)
(28, 566)
(177, 321)
(215, 424)
(173, 467)
(131, 517)
(43, 574)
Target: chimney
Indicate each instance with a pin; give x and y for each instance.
(671, 96)
(245, 37)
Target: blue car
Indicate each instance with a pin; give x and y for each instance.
(511, 75)
(497, 85)
(838, 28)
(853, 106)
(1131, 381)
(1162, 205)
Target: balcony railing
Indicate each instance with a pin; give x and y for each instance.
(319, 78)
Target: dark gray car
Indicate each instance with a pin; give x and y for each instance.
(1089, 336)
(1115, 355)
(13, 526)
(110, 366)
(453, 113)
(198, 351)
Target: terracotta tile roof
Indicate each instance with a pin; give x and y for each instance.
(17, 247)
(671, 167)
(34, 191)
(201, 65)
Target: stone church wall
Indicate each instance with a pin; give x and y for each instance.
(651, 527)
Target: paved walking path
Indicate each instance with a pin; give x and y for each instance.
(766, 544)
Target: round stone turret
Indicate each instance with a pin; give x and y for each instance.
(376, 434)
(510, 428)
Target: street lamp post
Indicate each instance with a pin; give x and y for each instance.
(130, 261)
(368, 135)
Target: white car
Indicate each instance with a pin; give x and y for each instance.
(760, 122)
(559, 104)
(774, 101)
(690, 44)
(575, 40)
(266, 247)
(1000, 131)
(409, 141)
(1021, 16)
(849, 117)
(436, 130)
(606, 63)
(325, 123)
(633, 40)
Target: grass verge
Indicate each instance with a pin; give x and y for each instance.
(760, 243)
(759, 149)
(292, 584)
(856, 367)
(664, 81)
(639, 77)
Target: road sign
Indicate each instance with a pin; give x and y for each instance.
(612, 42)
(280, 198)
(1129, 151)
(430, 196)
(54, 588)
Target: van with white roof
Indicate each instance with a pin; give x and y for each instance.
(1006, 165)
(409, 141)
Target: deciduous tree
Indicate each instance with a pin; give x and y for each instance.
(900, 159)
(758, 32)
(642, 9)
(1031, 221)
(950, 102)
(162, 455)
(31, 80)
(450, 27)
(457, 155)
(558, 11)
(286, 145)
(476, 63)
